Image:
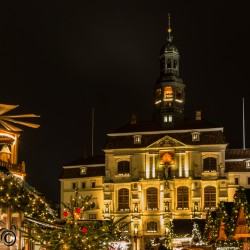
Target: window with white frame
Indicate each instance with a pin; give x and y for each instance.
(195, 136)
(247, 164)
(167, 118)
(137, 139)
(83, 170)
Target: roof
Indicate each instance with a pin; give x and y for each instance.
(68, 173)
(87, 160)
(127, 141)
(95, 167)
(235, 160)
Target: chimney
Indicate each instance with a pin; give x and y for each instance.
(198, 115)
(133, 119)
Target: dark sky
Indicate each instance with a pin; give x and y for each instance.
(60, 59)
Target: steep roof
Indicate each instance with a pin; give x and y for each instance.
(235, 160)
(95, 166)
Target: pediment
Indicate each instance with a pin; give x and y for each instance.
(166, 141)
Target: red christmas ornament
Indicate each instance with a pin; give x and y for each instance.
(78, 210)
(84, 229)
(65, 213)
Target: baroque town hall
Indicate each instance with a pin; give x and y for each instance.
(172, 168)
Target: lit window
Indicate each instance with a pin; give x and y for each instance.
(247, 164)
(209, 197)
(83, 170)
(137, 139)
(168, 93)
(195, 136)
(168, 118)
(152, 227)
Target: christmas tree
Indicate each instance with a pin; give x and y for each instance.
(196, 235)
(76, 233)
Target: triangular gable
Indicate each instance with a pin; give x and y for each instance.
(222, 235)
(241, 230)
(166, 141)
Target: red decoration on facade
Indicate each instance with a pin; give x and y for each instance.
(78, 210)
(65, 213)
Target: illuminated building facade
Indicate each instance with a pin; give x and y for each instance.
(169, 169)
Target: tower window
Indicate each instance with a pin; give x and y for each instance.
(168, 118)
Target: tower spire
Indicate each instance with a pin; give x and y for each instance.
(170, 37)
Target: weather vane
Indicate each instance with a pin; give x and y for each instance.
(7, 120)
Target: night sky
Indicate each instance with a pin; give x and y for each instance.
(61, 59)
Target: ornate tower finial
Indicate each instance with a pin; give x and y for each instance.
(170, 37)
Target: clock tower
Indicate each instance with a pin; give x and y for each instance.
(169, 89)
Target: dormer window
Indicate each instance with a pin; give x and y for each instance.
(167, 118)
(248, 164)
(137, 139)
(195, 136)
(83, 170)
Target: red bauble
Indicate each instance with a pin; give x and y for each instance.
(65, 213)
(84, 229)
(78, 210)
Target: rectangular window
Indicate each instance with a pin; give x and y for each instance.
(236, 181)
(168, 118)
(248, 180)
(83, 170)
(93, 184)
(83, 185)
(92, 216)
(74, 185)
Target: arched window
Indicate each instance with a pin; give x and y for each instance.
(123, 199)
(152, 198)
(123, 167)
(209, 197)
(152, 227)
(210, 164)
(182, 197)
